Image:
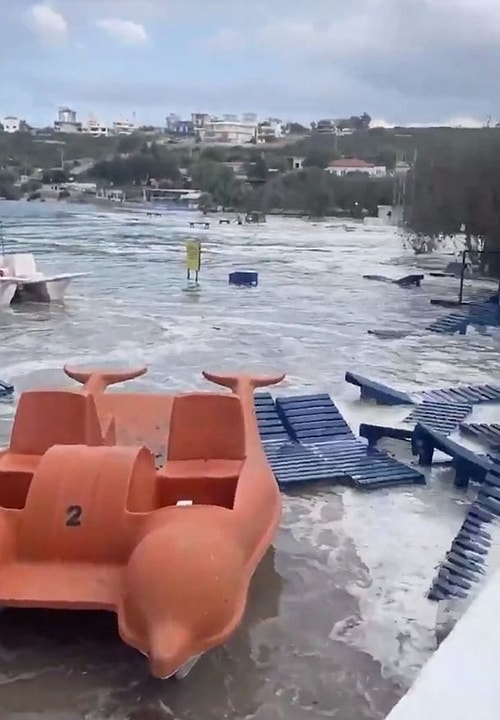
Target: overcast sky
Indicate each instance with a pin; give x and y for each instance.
(401, 61)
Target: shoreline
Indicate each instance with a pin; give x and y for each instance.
(145, 205)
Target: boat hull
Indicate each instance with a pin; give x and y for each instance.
(21, 282)
(88, 520)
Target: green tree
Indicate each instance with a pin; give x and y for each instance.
(205, 202)
(129, 144)
(9, 192)
(455, 186)
(7, 177)
(318, 192)
(217, 179)
(138, 168)
(319, 158)
(257, 170)
(297, 129)
(213, 153)
(31, 186)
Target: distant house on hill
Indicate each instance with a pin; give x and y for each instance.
(347, 166)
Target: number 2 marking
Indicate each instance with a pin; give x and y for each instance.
(74, 516)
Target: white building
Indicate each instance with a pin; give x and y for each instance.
(111, 194)
(95, 128)
(66, 115)
(199, 120)
(11, 124)
(123, 127)
(270, 130)
(171, 121)
(347, 166)
(230, 132)
(185, 199)
(66, 121)
(326, 127)
(63, 127)
(296, 162)
(82, 187)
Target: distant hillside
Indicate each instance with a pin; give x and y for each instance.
(385, 146)
(25, 152)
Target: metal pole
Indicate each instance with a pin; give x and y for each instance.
(462, 273)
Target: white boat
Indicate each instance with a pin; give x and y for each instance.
(21, 281)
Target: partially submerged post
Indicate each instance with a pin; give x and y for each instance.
(462, 274)
(193, 259)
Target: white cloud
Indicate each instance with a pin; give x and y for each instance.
(227, 39)
(455, 122)
(466, 122)
(127, 32)
(397, 59)
(49, 24)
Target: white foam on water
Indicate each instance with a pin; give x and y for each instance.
(400, 557)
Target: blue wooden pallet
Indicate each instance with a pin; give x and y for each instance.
(388, 334)
(445, 417)
(373, 390)
(312, 418)
(268, 420)
(483, 314)
(474, 297)
(405, 282)
(364, 467)
(450, 324)
(6, 389)
(385, 395)
(442, 409)
(374, 433)
(473, 394)
(294, 464)
(307, 440)
(468, 465)
(347, 462)
(442, 416)
(487, 434)
(466, 561)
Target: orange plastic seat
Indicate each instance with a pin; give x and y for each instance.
(57, 417)
(206, 450)
(207, 436)
(53, 417)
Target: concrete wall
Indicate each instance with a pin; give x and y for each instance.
(462, 679)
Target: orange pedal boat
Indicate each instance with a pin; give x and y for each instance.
(88, 520)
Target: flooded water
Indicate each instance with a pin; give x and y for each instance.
(337, 624)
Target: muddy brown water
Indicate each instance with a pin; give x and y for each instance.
(279, 664)
(337, 624)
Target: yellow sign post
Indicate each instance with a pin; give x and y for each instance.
(193, 258)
